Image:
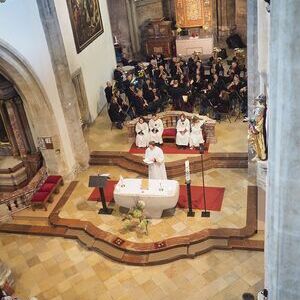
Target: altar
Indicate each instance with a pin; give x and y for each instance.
(157, 195)
(186, 45)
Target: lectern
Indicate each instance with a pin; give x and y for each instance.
(100, 183)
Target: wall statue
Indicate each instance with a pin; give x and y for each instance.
(257, 130)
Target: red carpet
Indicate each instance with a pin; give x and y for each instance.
(214, 196)
(168, 148)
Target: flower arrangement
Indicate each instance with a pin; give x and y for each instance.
(135, 219)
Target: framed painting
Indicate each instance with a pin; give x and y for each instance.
(86, 21)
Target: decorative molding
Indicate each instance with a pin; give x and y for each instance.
(135, 163)
(156, 253)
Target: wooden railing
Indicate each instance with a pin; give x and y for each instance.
(20, 199)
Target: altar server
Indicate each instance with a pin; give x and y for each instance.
(156, 128)
(142, 133)
(196, 136)
(183, 131)
(155, 159)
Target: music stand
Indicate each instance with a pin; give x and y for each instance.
(100, 183)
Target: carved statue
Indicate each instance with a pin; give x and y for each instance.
(256, 133)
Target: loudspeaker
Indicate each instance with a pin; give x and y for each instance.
(235, 41)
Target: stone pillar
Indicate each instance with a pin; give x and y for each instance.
(64, 83)
(17, 128)
(252, 54)
(282, 253)
(25, 125)
(9, 129)
(263, 45)
(252, 66)
(133, 30)
(167, 9)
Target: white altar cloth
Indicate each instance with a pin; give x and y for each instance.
(187, 46)
(161, 195)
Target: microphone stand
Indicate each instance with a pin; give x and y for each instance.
(205, 213)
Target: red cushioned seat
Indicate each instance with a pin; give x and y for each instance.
(169, 132)
(47, 187)
(53, 179)
(40, 196)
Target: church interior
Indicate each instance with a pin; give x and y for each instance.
(149, 149)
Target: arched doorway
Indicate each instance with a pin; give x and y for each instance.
(15, 140)
(37, 107)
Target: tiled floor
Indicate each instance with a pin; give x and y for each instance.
(232, 215)
(58, 269)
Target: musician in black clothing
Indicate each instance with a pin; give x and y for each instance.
(163, 87)
(155, 101)
(191, 67)
(234, 68)
(108, 91)
(151, 68)
(127, 109)
(147, 88)
(118, 77)
(223, 105)
(160, 60)
(218, 83)
(219, 68)
(127, 83)
(115, 113)
(142, 107)
(199, 69)
(131, 94)
(210, 99)
(176, 92)
(172, 67)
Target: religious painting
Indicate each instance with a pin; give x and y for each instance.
(86, 21)
(193, 13)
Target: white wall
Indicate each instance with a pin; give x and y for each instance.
(97, 61)
(21, 28)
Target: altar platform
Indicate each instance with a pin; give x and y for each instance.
(173, 237)
(169, 238)
(12, 174)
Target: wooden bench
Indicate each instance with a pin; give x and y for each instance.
(44, 193)
(169, 119)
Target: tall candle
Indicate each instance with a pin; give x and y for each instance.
(187, 171)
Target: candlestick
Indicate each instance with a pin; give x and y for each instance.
(187, 171)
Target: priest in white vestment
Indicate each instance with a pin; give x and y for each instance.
(156, 128)
(183, 131)
(196, 136)
(142, 133)
(155, 159)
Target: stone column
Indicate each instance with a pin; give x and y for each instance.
(135, 26)
(25, 125)
(17, 128)
(252, 54)
(9, 130)
(282, 253)
(252, 66)
(167, 9)
(133, 30)
(63, 79)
